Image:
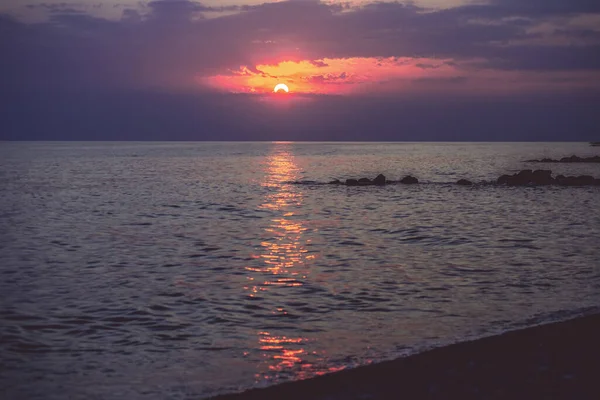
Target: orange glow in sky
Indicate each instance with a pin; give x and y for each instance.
(330, 76)
(341, 76)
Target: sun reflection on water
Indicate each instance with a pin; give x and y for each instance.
(282, 266)
(283, 253)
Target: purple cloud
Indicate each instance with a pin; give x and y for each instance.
(74, 62)
(175, 42)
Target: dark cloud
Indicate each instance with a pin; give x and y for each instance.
(428, 66)
(540, 7)
(173, 42)
(162, 116)
(545, 58)
(437, 80)
(329, 78)
(319, 63)
(61, 7)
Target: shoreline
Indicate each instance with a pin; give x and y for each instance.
(559, 360)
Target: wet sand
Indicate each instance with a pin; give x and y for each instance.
(555, 361)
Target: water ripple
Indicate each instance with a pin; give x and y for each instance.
(188, 271)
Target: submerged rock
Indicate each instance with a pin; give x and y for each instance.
(464, 182)
(584, 180)
(544, 178)
(572, 159)
(409, 180)
(504, 180)
(527, 177)
(335, 182)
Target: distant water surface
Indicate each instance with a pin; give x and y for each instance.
(184, 270)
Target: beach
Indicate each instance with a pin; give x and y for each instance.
(553, 361)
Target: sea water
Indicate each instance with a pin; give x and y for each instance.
(184, 270)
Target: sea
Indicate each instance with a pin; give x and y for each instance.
(185, 270)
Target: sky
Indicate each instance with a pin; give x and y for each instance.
(356, 70)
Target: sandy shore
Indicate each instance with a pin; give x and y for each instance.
(554, 361)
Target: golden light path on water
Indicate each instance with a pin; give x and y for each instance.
(286, 263)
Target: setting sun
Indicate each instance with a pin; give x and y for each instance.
(281, 86)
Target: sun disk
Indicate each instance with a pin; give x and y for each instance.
(281, 86)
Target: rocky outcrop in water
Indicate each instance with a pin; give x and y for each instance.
(526, 177)
(540, 177)
(583, 180)
(464, 182)
(572, 159)
(409, 180)
(378, 181)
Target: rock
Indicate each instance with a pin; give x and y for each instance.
(542, 177)
(504, 180)
(583, 180)
(523, 178)
(560, 179)
(568, 181)
(335, 182)
(352, 182)
(571, 159)
(364, 182)
(464, 182)
(546, 173)
(380, 180)
(527, 177)
(409, 180)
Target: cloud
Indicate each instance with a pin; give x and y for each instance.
(396, 75)
(544, 7)
(437, 80)
(319, 63)
(174, 41)
(187, 53)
